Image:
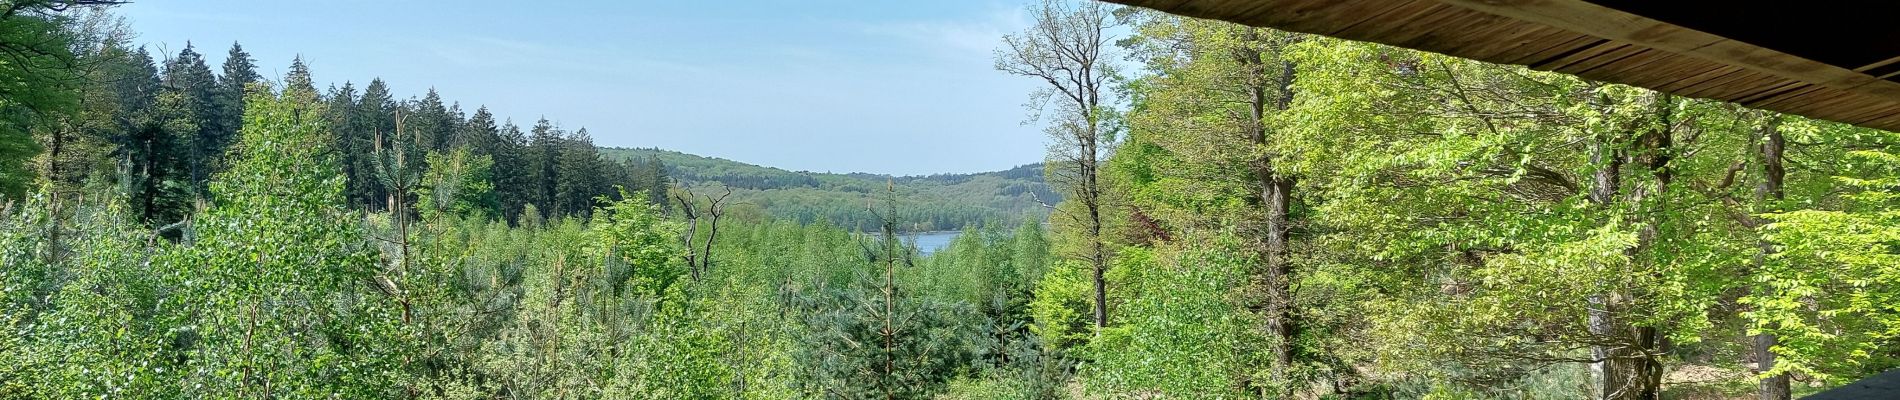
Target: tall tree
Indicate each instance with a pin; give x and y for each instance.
(1770, 192)
(299, 77)
(1064, 48)
(194, 103)
(1208, 106)
(350, 141)
(482, 137)
(239, 71)
(432, 122)
(39, 81)
(543, 159)
(578, 175)
(374, 123)
(77, 139)
(513, 172)
(151, 166)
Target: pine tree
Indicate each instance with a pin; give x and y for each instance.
(457, 124)
(650, 176)
(150, 152)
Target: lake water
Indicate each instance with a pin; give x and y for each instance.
(930, 242)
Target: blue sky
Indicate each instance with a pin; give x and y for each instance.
(900, 87)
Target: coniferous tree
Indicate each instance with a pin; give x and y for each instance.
(373, 122)
(349, 138)
(544, 143)
(577, 175)
(483, 138)
(239, 71)
(150, 169)
(513, 171)
(193, 111)
(299, 77)
(456, 125)
(431, 122)
(650, 175)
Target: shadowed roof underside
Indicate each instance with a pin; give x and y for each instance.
(1838, 62)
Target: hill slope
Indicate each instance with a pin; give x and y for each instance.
(925, 203)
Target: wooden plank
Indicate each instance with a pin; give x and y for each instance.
(1701, 89)
(1623, 51)
(1630, 65)
(1399, 17)
(1460, 33)
(1585, 39)
(1777, 100)
(1705, 76)
(1574, 57)
(1760, 84)
(1531, 36)
(1573, 43)
(1867, 108)
(1590, 19)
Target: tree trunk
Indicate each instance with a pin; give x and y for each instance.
(1769, 193)
(1093, 201)
(1610, 370)
(1276, 191)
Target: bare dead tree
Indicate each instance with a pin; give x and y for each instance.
(699, 259)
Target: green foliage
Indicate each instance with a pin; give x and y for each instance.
(36, 85)
(1456, 229)
(85, 317)
(1182, 335)
(457, 183)
(926, 203)
(275, 270)
(1834, 279)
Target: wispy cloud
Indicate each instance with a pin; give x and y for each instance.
(497, 52)
(960, 38)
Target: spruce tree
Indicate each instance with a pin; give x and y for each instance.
(239, 71)
(577, 179)
(193, 112)
(513, 172)
(350, 141)
(151, 152)
(544, 142)
(483, 138)
(432, 123)
(298, 78)
(373, 122)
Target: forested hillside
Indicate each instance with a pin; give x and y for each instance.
(926, 203)
(1234, 213)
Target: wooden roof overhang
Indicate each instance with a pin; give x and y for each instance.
(1831, 60)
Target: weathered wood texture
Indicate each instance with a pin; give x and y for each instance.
(1598, 42)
